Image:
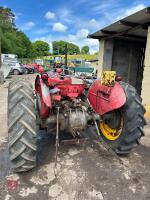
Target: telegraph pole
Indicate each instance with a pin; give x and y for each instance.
(66, 54)
(66, 60)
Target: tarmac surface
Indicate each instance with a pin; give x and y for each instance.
(84, 172)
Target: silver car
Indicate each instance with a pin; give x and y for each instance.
(15, 67)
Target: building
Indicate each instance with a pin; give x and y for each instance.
(125, 48)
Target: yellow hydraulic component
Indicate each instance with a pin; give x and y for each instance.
(108, 78)
(109, 133)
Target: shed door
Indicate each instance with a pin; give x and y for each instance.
(128, 61)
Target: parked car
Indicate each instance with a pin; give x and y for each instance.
(12, 61)
(15, 67)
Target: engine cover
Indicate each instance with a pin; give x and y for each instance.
(104, 99)
(68, 86)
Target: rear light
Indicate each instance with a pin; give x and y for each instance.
(118, 78)
(44, 76)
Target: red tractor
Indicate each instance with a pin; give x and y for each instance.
(31, 68)
(64, 105)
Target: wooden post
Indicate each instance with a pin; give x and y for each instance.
(66, 60)
(66, 53)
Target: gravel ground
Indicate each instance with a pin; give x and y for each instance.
(84, 172)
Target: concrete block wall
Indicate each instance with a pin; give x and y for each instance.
(101, 57)
(146, 78)
(105, 55)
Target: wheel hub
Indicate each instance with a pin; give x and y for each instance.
(111, 126)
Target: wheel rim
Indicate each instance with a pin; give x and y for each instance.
(16, 72)
(112, 133)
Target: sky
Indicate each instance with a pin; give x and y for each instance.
(69, 20)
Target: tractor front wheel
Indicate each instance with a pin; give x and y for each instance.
(123, 128)
(21, 126)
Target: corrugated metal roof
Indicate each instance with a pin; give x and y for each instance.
(134, 26)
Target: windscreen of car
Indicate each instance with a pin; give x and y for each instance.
(11, 60)
(9, 63)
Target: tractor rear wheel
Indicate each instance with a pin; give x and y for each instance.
(21, 126)
(123, 128)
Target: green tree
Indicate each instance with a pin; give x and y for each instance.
(85, 50)
(7, 18)
(96, 53)
(40, 48)
(12, 40)
(6, 23)
(59, 47)
(25, 43)
(73, 49)
(16, 42)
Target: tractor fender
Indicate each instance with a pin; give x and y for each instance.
(104, 99)
(43, 90)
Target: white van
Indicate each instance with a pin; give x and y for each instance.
(39, 61)
(8, 56)
(12, 61)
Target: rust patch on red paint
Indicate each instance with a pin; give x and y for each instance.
(12, 185)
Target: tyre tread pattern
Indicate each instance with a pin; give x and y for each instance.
(134, 120)
(21, 126)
